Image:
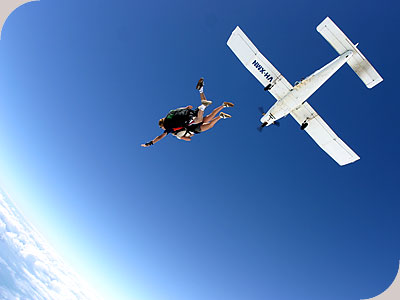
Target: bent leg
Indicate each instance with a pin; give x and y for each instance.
(213, 114)
(202, 107)
(200, 88)
(204, 102)
(209, 125)
(199, 117)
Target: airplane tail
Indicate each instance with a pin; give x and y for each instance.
(342, 43)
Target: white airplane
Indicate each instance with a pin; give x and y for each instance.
(292, 99)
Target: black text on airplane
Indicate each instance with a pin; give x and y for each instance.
(263, 71)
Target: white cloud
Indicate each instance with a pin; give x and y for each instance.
(29, 267)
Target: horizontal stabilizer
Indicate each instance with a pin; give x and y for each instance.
(342, 43)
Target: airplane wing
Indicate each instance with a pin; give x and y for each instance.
(258, 65)
(323, 135)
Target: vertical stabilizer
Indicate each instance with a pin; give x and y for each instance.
(342, 43)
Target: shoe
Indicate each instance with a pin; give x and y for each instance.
(224, 115)
(228, 104)
(206, 102)
(200, 84)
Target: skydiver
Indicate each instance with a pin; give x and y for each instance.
(184, 123)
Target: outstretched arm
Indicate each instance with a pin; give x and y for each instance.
(160, 137)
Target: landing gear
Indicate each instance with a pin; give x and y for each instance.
(304, 125)
(260, 128)
(268, 87)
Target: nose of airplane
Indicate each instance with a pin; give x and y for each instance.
(266, 120)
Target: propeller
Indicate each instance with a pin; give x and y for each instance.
(261, 127)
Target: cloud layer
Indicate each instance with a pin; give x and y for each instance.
(29, 268)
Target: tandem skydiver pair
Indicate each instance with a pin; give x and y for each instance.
(184, 122)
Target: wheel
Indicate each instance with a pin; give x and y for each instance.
(268, 87)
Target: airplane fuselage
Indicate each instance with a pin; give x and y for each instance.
(304, 89)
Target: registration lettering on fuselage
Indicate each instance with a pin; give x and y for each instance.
(262, 70)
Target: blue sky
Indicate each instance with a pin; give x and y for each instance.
(233, 214)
